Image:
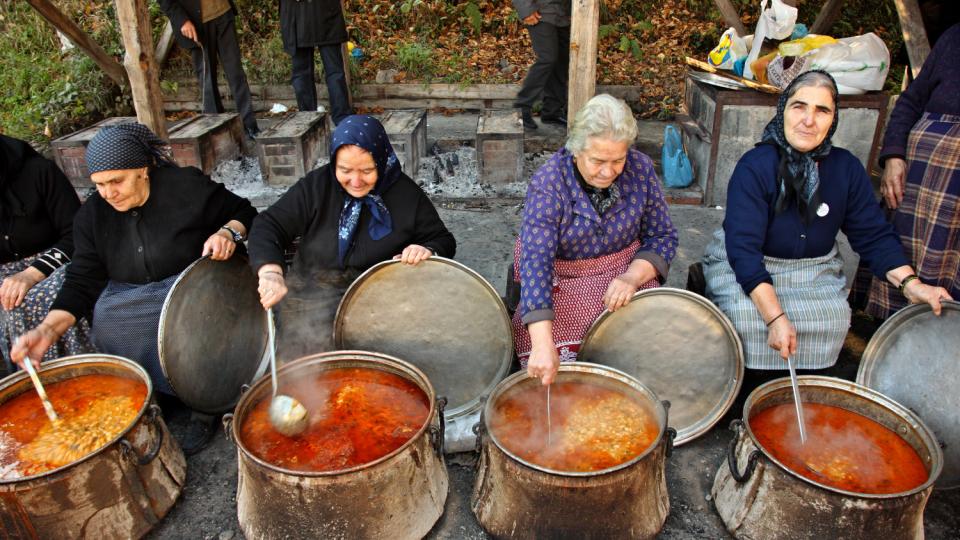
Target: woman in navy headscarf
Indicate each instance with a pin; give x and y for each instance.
(356, 211)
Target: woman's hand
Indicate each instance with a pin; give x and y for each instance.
(413, 254)
(782, 336)
(220, 246)
(921, 293)
(544, 361)
(272, 287)
(619, 293)
(14, 289)
(532, 19)
(891, 183)
(34, 344)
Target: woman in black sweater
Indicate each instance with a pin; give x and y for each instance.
(351, 214)
(37, 205)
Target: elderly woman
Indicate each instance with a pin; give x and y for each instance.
(37, 205)
(147, 222)
(595, 229)
(774, 268)
(356, 211)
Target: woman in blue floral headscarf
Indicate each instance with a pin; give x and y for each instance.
(356, 211)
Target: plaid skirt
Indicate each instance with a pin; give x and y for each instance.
(34, 308)
(928, 219)
(811, 293)
(578, 289)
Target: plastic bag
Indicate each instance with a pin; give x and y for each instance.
(799, 47)
(730, 49)
(677, 172)
(859, 64)
(776, 22)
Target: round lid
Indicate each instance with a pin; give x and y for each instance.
(912, 359)
(213, 334)
(438, 315)
(680, 346)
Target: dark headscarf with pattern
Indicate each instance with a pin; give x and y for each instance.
(366, 132)
(798, 177)
(126, 146)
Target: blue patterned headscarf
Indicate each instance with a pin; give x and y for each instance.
(366, 132)
(797, 175)
(126, 146)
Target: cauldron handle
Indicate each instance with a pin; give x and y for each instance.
(737, 427)
(437, 434)
(671, 432)
(480, 428)
(227, 422)
(126, 448)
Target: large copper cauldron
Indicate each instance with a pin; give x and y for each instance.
(119, 491)
(514, 498)
(757, 497)
(398, 496)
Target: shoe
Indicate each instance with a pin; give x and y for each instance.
(253, 134)
(198, 433)
(556, 120)
(528, 121)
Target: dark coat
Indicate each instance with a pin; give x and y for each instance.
(180, 11)
(311, 24)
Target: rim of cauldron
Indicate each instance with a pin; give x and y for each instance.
(861, 392)
(65, 364)
(580, 367)
(367, 359)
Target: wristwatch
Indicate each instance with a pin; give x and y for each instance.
(237, 237)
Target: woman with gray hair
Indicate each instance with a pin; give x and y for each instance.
(595, 229)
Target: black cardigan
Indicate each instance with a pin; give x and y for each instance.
(151, 242)
(310, 209)
(37, 205)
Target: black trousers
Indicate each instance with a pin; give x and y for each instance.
(220, 46)
(548, 75)
(304, 75)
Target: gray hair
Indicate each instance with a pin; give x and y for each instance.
(603, 116)
(816, 79)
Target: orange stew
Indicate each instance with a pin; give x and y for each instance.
(844, 449)
(93, 410)
(356, 416)
(592, 427)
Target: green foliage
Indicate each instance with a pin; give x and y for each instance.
(631, 45)
(416, 59)
(474, 16)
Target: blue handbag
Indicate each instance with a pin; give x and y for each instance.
(677, 172)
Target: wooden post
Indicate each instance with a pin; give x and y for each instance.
(582, 84)
(730, 16)
(827, 16)
(164, 44)
(914, 34)
(141, 65)
(61, 22)
(346, 67)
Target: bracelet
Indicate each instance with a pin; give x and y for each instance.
(271, 272)
(903, 283)
(775, 318)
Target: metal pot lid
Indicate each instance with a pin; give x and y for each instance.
(912, 358)
(680, 346)
(213, 334)
(438, 315)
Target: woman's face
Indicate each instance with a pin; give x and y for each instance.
(123, 189)
(602, 161)
(807, 117)
(356, 170)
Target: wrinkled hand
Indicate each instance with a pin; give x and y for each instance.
(413, 254)
(220, 246)
(544, 362)
(33, 344)
(14, 289)
(190, 32)
(891, 183)
(782, 336)
(272, 289)
(921, 293)
(619, 293)
(532, 19)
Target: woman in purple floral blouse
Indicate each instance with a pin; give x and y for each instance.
(595, 229)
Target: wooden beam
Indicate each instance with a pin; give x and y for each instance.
(61, 22)
(582, 83)
(730, 16)
(828, 15)
(346, 66)
(141, 64)
(164, 45)
(914, 34)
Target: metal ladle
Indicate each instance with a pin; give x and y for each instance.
(796, 400)
(47, 406)
(287, 415)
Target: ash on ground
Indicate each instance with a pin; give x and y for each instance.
(455, 175)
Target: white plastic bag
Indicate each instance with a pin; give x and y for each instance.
(730, 49)
(859, 64)
(776, 22)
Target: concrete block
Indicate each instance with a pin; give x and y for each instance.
(407, 131)
(289, 149)
(206, 140)
(500, 147)
(69, 150)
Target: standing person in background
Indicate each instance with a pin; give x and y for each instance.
(206, 28)
(548, 22)
(320, 24)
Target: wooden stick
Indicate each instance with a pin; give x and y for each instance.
(766, 88)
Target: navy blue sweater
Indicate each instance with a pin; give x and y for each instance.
(753, 231)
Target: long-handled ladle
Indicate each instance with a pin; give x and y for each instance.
(47, 406)
(796, 400)
(287, 415)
